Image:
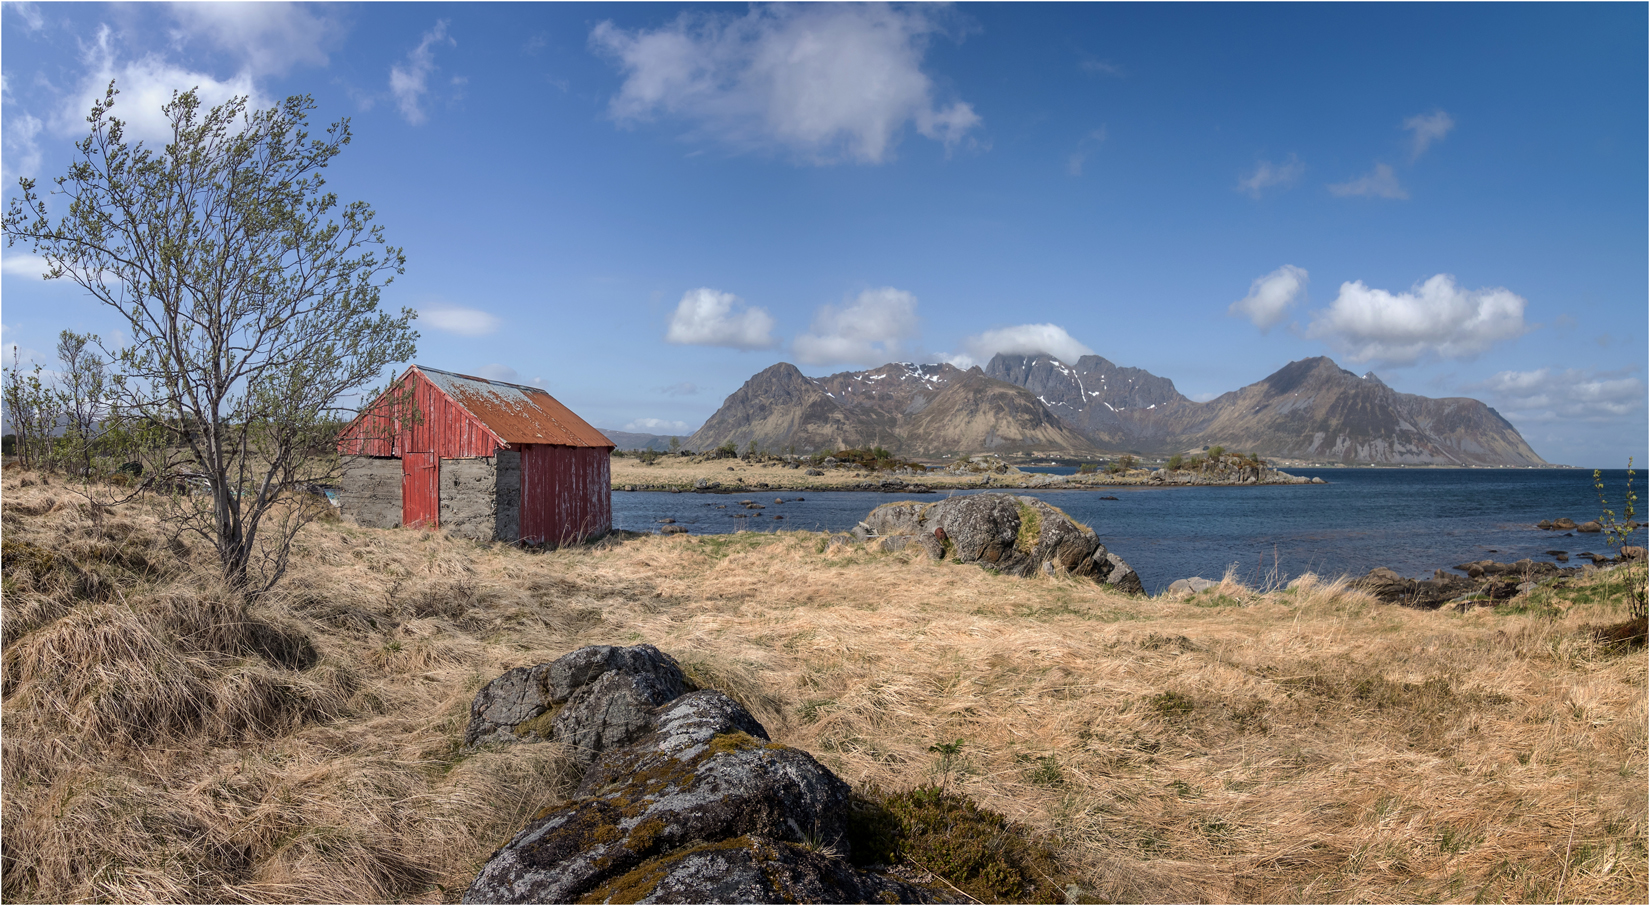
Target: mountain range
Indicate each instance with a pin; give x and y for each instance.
(1310, 410)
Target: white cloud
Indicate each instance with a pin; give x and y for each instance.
(870, 330)
(409, 83)
(1270, 297)
(28, 12)
(497, 372)
(270, 38)
(708, 317)
(657, 426)
(1074, 163)
(1090, 64)
(1429, 128)
(25, 265)
(19, 149)
(1267, 175)
(145, 85)
(469, 322)
(828, 82)
(1378, 183)
(682, 388)
(1025, 339)
(1573, 394)
(1435, 318)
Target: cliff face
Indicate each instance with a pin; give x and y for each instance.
(1114, 406)
(910, 409)
(1311, 409)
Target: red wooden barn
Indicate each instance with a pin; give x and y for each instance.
(483, 459)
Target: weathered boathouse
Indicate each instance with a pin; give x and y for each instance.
(482, 459)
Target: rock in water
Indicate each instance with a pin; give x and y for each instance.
(1016, 535)
(701, 807)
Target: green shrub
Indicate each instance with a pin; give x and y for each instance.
(979, 851)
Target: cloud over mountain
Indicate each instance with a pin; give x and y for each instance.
(1435, 318)
(709, 317)
(1270, 297)
(870, 330)
(1025, 339)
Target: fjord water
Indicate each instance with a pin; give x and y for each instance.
(1411, 520)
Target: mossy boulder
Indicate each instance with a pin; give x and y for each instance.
(1018, 535)
(597, 698)
(704, 808)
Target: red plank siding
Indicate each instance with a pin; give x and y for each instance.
(566, 493)
(420, 490)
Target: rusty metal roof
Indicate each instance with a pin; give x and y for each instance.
(517, 414)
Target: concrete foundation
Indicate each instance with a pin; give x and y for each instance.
(507, 494)
(471, 498)
(371, 491)
(480, 497)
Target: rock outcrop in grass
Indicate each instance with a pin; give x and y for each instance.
(1020, 536)
(685, 802)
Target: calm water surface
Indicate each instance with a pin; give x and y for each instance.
(1412, 520)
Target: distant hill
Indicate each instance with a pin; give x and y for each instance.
(630, 440)
(1311, 410)
(913, 410)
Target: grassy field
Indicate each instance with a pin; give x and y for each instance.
(163, 742)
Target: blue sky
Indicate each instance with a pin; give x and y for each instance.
(638, 206)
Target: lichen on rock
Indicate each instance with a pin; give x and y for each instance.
(1020, 536)
(702, 806)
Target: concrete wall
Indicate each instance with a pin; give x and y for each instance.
(481, 497)
(371, 491)
(507, 517)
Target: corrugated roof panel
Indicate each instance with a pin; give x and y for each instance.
(517, 414)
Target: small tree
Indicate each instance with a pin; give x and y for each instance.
(1617, 532)
(83, 398)
(250, 298)
(31, 408)
(1176, 461)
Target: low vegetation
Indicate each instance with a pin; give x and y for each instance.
(165, 741)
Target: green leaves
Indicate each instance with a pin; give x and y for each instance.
(250, 296)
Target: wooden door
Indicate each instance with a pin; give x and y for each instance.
(420, 490)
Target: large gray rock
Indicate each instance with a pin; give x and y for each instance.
(1021, 536)
(701, 809)
(1190, 586)
(594, 699)
(753, 869)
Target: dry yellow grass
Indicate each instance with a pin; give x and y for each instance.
(164, 743)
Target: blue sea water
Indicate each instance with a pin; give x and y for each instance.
(1411, 520)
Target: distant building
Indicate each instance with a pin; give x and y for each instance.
(482, 459)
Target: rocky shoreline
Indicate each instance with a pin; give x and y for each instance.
(705, 474)
(1484, 583)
